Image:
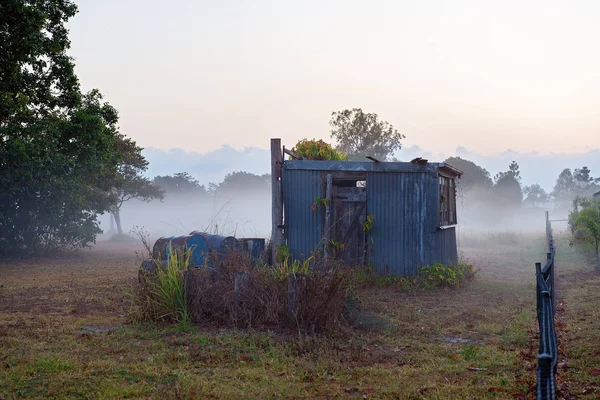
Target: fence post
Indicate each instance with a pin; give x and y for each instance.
(538, 290)
(553, 291)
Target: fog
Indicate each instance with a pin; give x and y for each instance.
(244, 214)
(239, 214)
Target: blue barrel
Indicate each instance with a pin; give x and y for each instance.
(196, 245)
(255, 247)
(159, 251)
(220, 244)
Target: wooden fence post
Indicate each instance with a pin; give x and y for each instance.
(327, 232)
(295, 296)
(277, 198)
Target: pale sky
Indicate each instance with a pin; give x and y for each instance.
(486, 75)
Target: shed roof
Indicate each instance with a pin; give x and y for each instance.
(368, 166)
(597, 194)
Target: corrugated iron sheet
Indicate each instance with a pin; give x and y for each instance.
(447, 252)
(303, 227)
(404, 207)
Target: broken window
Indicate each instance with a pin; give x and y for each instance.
(447, 201)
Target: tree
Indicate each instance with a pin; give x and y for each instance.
(243, 182)
(586, 224)
(360, 134)
(570, 185)
(535, 194)
(513, 171)
(564, 188)
(507, 187)
(57, 147)
(128, 182)
(180, 183)
(473, 176)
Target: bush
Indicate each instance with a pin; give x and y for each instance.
(439, 275)
(240, 294)
(318, 150)
(428, 277)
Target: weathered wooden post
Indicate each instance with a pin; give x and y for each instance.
(296, 294)
(326, 245)
(276, 198)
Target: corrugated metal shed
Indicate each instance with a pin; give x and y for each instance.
(403, 199)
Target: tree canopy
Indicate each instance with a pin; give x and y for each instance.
(507, 187)
(359, 134)
(180, 183)
(570, 185)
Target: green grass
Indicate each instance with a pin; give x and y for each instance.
(448, 343)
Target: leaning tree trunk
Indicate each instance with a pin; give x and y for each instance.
(117, 216)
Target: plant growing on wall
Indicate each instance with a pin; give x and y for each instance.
(368, 225)
(318, 150)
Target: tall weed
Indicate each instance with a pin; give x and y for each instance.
(161, 296)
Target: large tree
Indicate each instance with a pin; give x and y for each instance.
(360, 134)
(58, 148)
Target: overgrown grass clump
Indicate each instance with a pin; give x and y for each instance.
(161, 295)
(428, 277)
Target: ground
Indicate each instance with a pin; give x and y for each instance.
(65, 333)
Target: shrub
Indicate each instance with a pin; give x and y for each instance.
(238, 293)
(428, 277)
(318, 150)
(439, 275)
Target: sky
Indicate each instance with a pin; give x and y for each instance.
(487, 76)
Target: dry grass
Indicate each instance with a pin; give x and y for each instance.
(57, 339)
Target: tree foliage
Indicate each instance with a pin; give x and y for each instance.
(180, 183)
(359, 134)
(474, 176)
(535, 194)
(507, 187)
(242, 182)
(570, 185)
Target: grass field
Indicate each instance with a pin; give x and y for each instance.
(64, 333)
